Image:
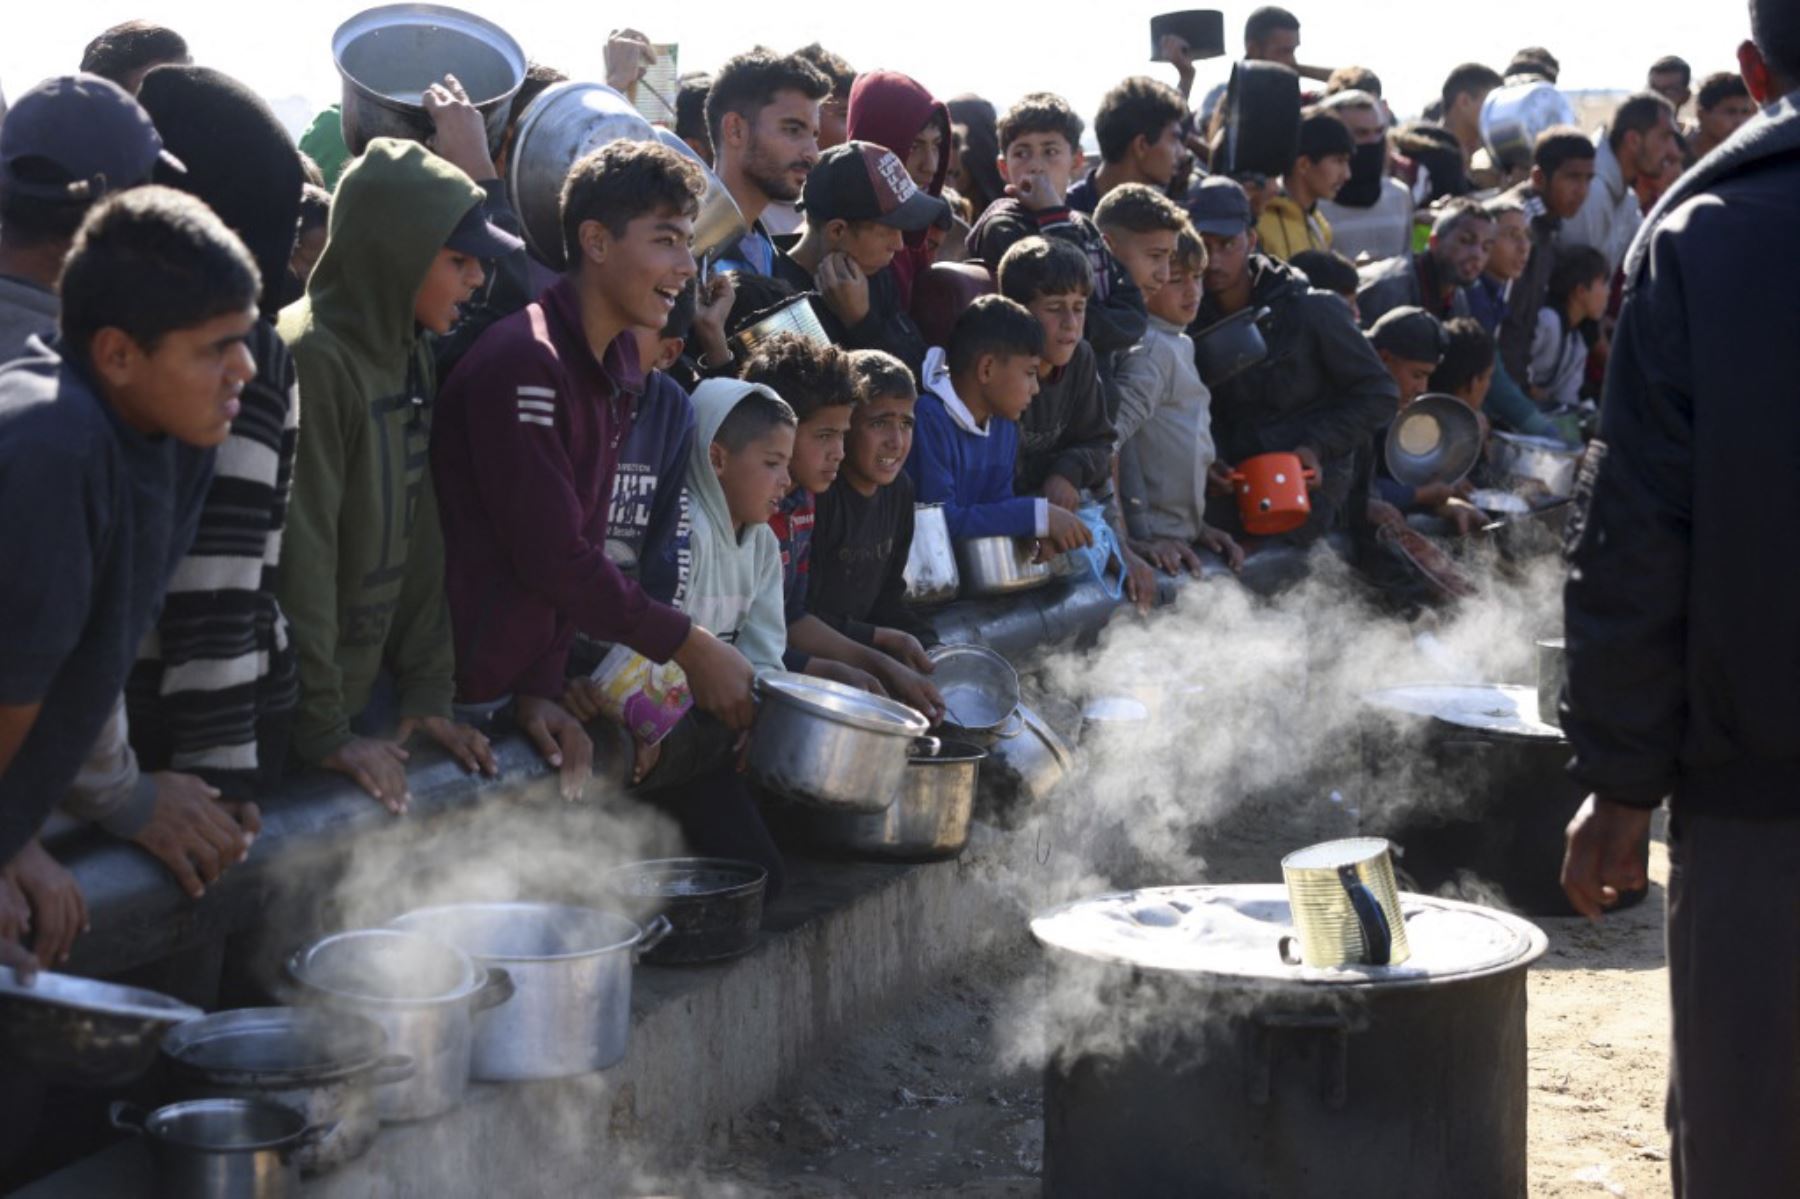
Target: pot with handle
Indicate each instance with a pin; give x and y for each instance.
(929, 820)
(981, 694)
(992, 566)
(720, 222)
(931, 576)
(1271, 493)
(1227, 348)
(423, 992)
(570, 967)
(1346, 905)
(829, 745)
(565, 122)
(223, 1148)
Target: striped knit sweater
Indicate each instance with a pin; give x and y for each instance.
(219, 664)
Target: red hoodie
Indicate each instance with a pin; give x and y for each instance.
(889, 109)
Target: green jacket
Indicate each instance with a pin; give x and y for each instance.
(362, 572)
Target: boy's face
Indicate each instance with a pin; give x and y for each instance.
(188, 386)
(449, 282)
(1412, 377)
(869, 244)
(1567, 190)
(1475, 394)
(1592, 299)
(881, 436)
(1047, 156)
(923, 156)
(1722, 119)
(1008, 382)
(1463, 250)
(1178, 300)
(1063, 317)
(1326, 176)
(1158, 159)
(306, 253)
(755, 479)
(1145, 255)
(656, 352)
(819, 447)
(1226, 260)
(1512, 247)
(640, 275)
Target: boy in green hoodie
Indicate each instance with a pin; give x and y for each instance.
(363, 577)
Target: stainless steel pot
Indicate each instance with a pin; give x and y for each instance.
(1543, 459)
(82, 1032)
(423, 992)
(821, 743)
(930, 819)
(570, 1012)
(1513, 116)
(1225, 349)
(1435, 439)
(992, 566)
(931, 576)
(720, 223)
(223, 1148)
(1025, 770)
(1552, 677)
(714, 906)
(388, 56)
(981, 694)
(563, 125)
(323, 1064)
(794, 315)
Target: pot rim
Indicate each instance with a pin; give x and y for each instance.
(950, 753)
(785, 687)
(93, 997)
(275, 1077)
(401, 922)
(277, 1145)
(652, 866)
(473, 982)
(358, 25)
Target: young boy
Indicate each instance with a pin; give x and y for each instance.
(820, 385)
(966, 450)
(528, 448)
(1040, 153)
(1578, 293)
(1166, 445)
(863, 533)
(105, 457)
(1411, 343)
(1466, 370)
(1291, 221)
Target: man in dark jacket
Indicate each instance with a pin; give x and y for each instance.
(1562, 171)
(1320, 393)
(1435, 279)
(1683, 625)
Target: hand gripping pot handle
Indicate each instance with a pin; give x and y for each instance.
(654, 934)
(495, 991)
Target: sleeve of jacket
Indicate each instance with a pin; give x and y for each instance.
(763, 637)
(109, 789)
(658, 560)
(999, 232)
(508, 286)
(1625, 603)
(1141, 382)
(931, 465)
(1117, 318)
(1513, 410)
(420, 643)
(1362, 395)
(887, 326)
(1085, 456)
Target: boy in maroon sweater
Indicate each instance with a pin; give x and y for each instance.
(526, 446)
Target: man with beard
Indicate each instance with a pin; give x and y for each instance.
(763, 116)
(1642, 141)
(1433, 280)
(1372, 214)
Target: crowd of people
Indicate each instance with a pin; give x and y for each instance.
(312, 460)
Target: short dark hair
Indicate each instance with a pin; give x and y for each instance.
(993, 325)
(1354, 79)
(149, 261)
(681, 317)
(1264, 21)
(1040, 112)
(1535, 58)
(749, 83)
(1327, 270)
(1135, 208)
(807, 374)
(1668, 64)
(1639, 114)
(691, 91)
(1719, 87)
(1043, 266)
(131, 47)
(1775, 27)
(538, 80)
(1468, 355)
(1140, 106)
(315, 207)
(1467, 79)
(1455, 212)
(833, 66)
(752, 418)
(881, 376)
(1190, 252)
(622, 181)
(309, 170)
(1574, 267)
(1560, 144)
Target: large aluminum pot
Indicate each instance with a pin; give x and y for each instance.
(423, 992)
(720, 222)
(571, 972)
(388, 56)
(564, 124)
(929, 820)
(1541, 459)
(223, 1148)
(828, 745)
(323, 1064)
(1024, 771)
(1514, 115)
(981, 694)
(931, 576)
(993, 566)
(1552, 676)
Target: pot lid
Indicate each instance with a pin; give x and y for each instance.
(1485, 707)
(285, 1042)
(842, 704)
(524, 932)
(1234, 932)
(387, 967)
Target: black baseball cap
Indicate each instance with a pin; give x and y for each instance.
(77, 138)
(1219, 207)
(479, 237)
(1411, 333)
(860, 181)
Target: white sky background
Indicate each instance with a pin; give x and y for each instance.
(951, 46)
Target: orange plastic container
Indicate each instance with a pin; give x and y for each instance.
(1271, 494)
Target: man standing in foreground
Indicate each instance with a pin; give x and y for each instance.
(1684, 627)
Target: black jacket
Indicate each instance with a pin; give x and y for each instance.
(857, 579)
(886, 327)
(1683, 604)
(1116, 316)
(1065, 431)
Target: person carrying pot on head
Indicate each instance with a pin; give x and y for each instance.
(1320, 393)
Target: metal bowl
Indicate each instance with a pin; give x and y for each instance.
(793, 315)
(992, 566)
(564, 124)
(980, 690)
(720, 222)
(1435, 439)
(83, 1032)
(1513, 116)
(388, 56)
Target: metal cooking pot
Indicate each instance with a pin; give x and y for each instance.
(563, 125)
(1435, 439)
(1262, 120)
(1513, 116)
(931, 576)
(1552, 677)
(323, 1064)
(423, 992)
(822, 743)
(714, 906)
(223, 1148)
(570, 967)
(1544, 459)
(1225, 349)
(929, 820)
(992, 566)
(388, 56)
(1201, 29)
(82, 1032)
(981, 694)
(794, 315)
(1025, 770)
(720, 222)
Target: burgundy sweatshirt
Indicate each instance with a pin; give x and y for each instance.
(889, 109)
